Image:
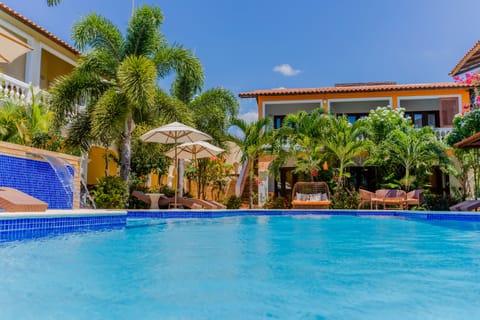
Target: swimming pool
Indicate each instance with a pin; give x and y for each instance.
(250, 267)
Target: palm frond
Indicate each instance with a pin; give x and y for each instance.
(97, 32)
(109, 116)
(136, 76)
(183, 62)
(70, 91)
(143, 35)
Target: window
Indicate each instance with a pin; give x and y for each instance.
(352, 117)
(424, 118)
(278, 121)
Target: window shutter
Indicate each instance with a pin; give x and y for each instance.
(448, 109)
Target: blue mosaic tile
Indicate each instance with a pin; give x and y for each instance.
(36, 178)
(21, 228)
(422, 215)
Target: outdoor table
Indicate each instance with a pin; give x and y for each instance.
(154, 197)
(389, 201)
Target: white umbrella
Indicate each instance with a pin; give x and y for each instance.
(11, 47)
(194, 150)
(174, 132)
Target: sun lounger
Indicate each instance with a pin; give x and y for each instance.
(467, 205)
(13, 200)
(190, 203)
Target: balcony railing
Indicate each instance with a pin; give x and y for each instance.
(441, 133)
(19, 91)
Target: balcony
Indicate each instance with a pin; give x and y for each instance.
(441, 133)
(19, 91)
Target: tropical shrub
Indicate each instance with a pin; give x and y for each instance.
(435, 202)
(233, 202)
(277, 203)
(345, 199)
(110, 193)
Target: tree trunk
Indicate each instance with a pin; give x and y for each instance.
(106, 161)
(126, 153)
(250, 189)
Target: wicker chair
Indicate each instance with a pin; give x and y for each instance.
(310, 195)
(366, 198)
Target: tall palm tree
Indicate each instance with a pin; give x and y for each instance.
(256, 137)
(116, 77)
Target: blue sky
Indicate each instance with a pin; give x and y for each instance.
(263, 44)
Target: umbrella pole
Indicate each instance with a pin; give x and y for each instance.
(176, 172)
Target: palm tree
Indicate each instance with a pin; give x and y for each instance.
(343, 142)
(256, 137)
(414, 149)
(52, 3)
(303, 133)
(117, 77)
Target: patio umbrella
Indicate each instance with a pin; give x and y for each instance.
(194, 150)
(11, 47)
(174, 133)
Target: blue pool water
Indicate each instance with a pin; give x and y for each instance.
(308, 267)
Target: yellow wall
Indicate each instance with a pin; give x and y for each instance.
(394, 95)
(51, 68)
(96, 164)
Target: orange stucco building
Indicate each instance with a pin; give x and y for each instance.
(427, 104)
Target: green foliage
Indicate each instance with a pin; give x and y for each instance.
(167, 191)
(110, 193)
(434, 202)
(233, 202)
(416, 150)
(277, 203)
(147, 157)
(304, 133)
(137, 184)
(464, 126)
(383, 120)
(345, 199)
(117, 78)
(256, 137)
(343, 144)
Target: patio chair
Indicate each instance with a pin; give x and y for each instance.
(415, 198)
(311, 195)
(389, 197)
(366, 197)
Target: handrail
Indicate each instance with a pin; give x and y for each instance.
(18, 90)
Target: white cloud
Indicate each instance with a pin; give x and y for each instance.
(286, 70)
(249, 116)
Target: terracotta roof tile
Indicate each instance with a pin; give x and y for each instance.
(37, 27)
(349, 89)
(470, 61)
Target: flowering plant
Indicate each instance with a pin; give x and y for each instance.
(277, 203)
(474, 80)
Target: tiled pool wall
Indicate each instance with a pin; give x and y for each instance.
(34, 225)
(36, 178)
(17, 227)
(422, 215)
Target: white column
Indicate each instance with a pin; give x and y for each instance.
(34, 63)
